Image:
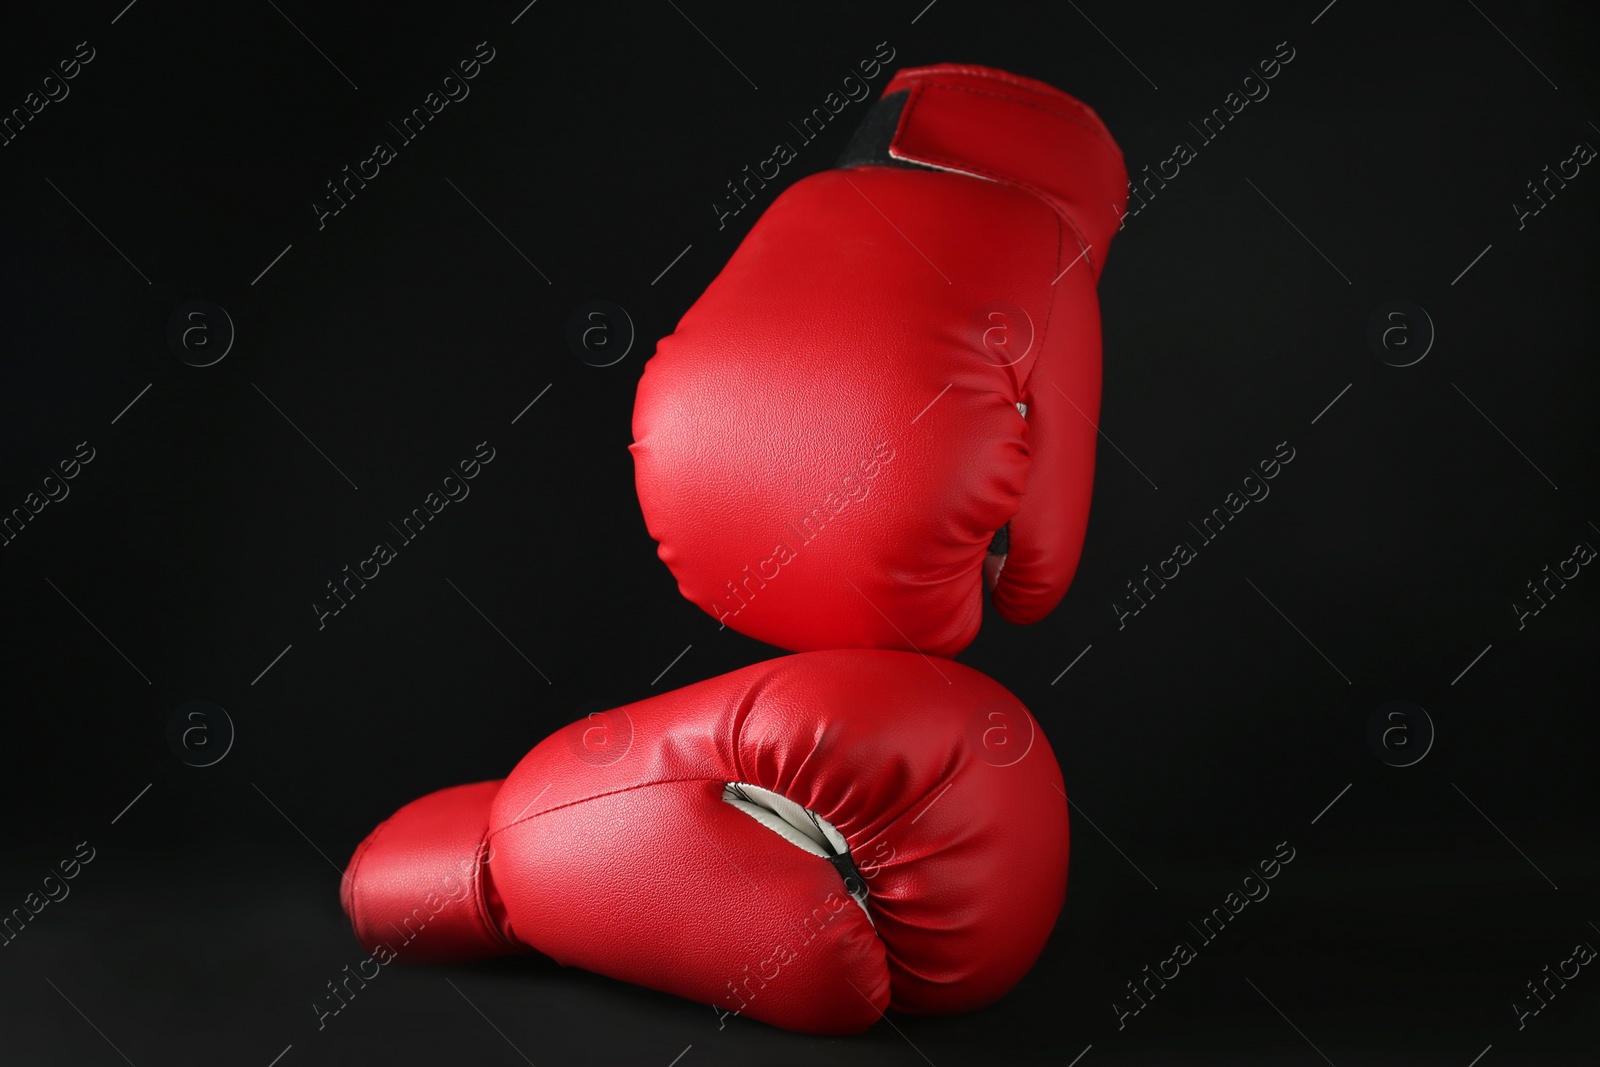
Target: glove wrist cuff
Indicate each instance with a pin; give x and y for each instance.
(995, 125)
(418, 887)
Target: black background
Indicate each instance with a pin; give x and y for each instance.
(1220, 721)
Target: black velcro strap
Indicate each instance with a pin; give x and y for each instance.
(869, 144)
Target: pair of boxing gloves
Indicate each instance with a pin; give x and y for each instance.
(885, 403)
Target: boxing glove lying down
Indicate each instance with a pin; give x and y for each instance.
(893, 386)
(807, 841)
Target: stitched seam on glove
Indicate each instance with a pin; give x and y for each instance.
(596, 796)
(355, 869)
(482, 905)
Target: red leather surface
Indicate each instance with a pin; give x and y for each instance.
(613, 851)
(849, 326)
(417, 883)
(1020, 131)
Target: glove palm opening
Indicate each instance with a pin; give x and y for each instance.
(802, 828)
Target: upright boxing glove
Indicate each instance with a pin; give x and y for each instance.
(807, 841)
(896, 376)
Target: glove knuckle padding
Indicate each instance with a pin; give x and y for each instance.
(824, 448)
(639, 869)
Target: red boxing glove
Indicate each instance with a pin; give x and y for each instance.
(896, 373)
(807, 841)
